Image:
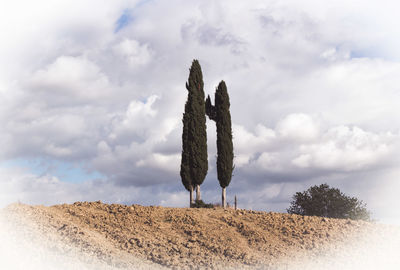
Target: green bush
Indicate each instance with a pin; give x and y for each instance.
(201, 204)
(325, 201)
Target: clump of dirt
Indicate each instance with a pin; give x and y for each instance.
(147, 237)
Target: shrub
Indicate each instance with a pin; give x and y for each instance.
(325, 201)
(201, 204)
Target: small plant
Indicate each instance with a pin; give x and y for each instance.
(201, 204)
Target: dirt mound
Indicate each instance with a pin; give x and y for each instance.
(139, 237)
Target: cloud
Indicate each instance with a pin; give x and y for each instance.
(299, 151)
(246, 143)
(25, 187)
(345, 149)
(70, 80)
(298, 127)
(313, 90)
(133, 53)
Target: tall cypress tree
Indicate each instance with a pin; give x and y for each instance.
(185, 170)
(210, 109)
(194, 164)
(224, 138)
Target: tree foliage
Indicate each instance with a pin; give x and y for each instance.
(221, 115)
(325, 201)
(224, 135)
(210, 109)
(194, 162)
(185, 170)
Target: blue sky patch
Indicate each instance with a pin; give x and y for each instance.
(127, 16)
(125, 19)
(371, 52)
(64, 171)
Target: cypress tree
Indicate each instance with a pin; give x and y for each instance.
(185, 170)
(210, 109)
(194, 163)
(224, 139)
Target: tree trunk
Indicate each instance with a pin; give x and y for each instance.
(198, 194)
(191, 195)
(235, 203)
(224, 198)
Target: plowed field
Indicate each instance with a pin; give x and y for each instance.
(94, 235)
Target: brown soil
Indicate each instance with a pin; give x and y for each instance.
(139, 237)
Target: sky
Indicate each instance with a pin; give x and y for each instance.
(92, 95)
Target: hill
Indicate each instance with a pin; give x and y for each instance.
(94, 235)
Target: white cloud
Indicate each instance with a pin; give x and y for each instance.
(134, 53)
(269, 162)
(345, 149)
(137, 120)
(246, 143)
(169, 163)
(298, 127)
(73, 78)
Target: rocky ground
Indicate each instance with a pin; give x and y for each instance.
(94, 235)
